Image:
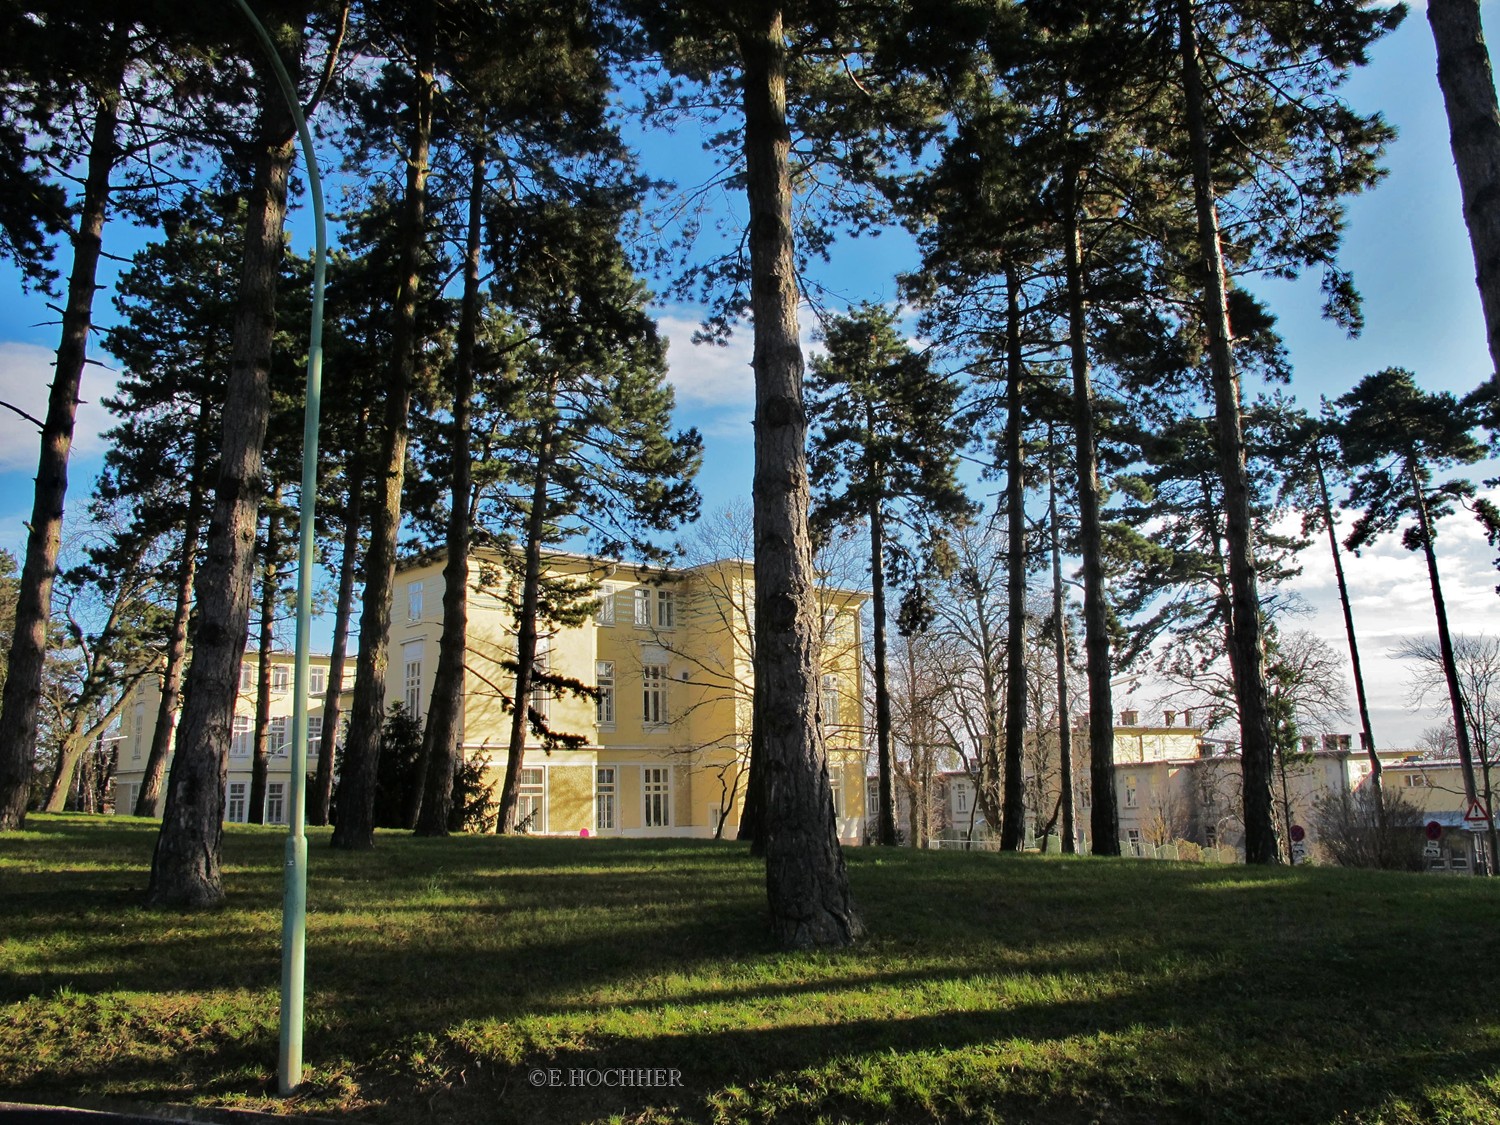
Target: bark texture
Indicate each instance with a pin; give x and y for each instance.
(1104, 812)
(148, 802)
(1468, 85)
(28, 649)
(1246, 646)
(1013, 798)
(441, 753)
(356, 816)
(1060, 648)
(885, 773)
(185, 868)
(806, 882)
(333, 698)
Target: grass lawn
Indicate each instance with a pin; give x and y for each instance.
(442, 973)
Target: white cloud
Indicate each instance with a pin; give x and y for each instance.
(25, 383)
(707, 375)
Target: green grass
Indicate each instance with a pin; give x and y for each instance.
(989, 988)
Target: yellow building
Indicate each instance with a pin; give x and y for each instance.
(138, 725)
(669, 653)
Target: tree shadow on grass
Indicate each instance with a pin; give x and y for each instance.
(440, 973)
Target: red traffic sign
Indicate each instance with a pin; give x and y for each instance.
(1477, 816)
(1298, 833)
(1434, 830)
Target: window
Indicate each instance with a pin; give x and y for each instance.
(411, 655)
(234, 810)
(125, 799)
(1131, 798)
(317, 680)
(314, 735)
(531, 799)
(656, 785)
(1211, 837)
(642, 607)
(960, 797)
(666, 609)
(280, 736)
(836, 785)
(654, 694)
(541, 694)
(872, 800)
(281, 678)
(1085, 797)
(828, 710)
(414, 591)
(1133, 839)
(140, 732)
(276, 802)
(247, 682)
(604, 799)
(244, 734)
(604, 679)
(604, 612)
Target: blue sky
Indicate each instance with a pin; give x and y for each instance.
(1405, 243)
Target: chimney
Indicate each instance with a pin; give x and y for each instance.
(1187, 717)
(1170, 715)
(1129, 718)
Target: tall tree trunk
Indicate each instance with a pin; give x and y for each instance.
(806, 882)
(1468, 85)
(333, 697)
(752, 812)
(1104, 812)
(531, 584)
(1445, 637)
(1013, 810)
(441, 754)
(356, 819)
(148, 802)
(260, 760)
(28, 647)
(1367, 736)
(1060, 647)
(185, 867)
(1247, 646)
(886, 829)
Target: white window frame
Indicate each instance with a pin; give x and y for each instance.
(275, 802)
(279, 735)
(1132, 794)
(317, 680)
(415, 599)
(604, 612)
(642, 607)
(836, 786)
(242, 735)
(960, 796)
(314, 735)
(604, 706)
(656, 796)
(411, 659)
(654, 682)
(531, 798)
(247, 681)
(540, 699)
(235, 801)
(606, 799)
(281, 679)
(829, 709)
(666, 609)
(1134, 843)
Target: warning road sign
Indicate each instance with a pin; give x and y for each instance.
(1477, 819)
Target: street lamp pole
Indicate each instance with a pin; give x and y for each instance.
(294, 894)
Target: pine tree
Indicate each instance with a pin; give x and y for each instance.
(884, 451)
(1395, 437)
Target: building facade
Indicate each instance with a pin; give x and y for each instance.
(669, 654)
(138, 725)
